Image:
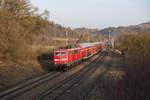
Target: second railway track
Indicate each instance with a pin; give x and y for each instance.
(22, 88)
(69, 83)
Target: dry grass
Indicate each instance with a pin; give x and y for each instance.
(115, 75)
(121, 80)
(125, 81)
(13, 73)
(137, 79)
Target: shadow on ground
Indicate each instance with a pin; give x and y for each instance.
(46, 61)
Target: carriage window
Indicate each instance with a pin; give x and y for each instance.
(79, 51)
(72, 52)
(60, 53)
(75, 51)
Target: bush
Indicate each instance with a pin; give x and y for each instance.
(11, 41)
(138, 44)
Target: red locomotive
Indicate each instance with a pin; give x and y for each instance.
(64, 58)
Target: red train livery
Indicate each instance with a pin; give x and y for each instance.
(64, 58)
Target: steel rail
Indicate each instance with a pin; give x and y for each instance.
(28, 85)
(68, 83)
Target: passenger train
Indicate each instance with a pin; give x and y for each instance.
(65, 58)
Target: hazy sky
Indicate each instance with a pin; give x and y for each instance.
(96, 13)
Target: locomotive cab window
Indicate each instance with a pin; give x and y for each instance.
(60, 53)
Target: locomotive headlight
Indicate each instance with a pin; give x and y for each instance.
(63, 59)
(56, 59)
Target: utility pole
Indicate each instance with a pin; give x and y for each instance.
(88, 37)
(109, 44)
(109, 37)
(67, 40)
(2, 4)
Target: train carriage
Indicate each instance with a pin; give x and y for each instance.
(89, 49)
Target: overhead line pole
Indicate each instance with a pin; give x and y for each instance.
(109, 37)
(88, 37)
(67, 42)
(109, 42)
(2, 4)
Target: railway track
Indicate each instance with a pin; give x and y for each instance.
(55, 92)
(67, 84)
(28, 85)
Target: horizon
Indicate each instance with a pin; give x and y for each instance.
(113, 13)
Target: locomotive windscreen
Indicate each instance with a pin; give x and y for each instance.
(60, 53)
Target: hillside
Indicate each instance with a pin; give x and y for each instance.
(57, 35)
(116, 31)
(83, 29)
(119, 30)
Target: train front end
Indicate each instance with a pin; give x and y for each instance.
(60, 57)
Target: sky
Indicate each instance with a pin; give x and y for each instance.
(95, 13)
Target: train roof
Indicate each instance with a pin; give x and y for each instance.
(62, 49)
(89, 44)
